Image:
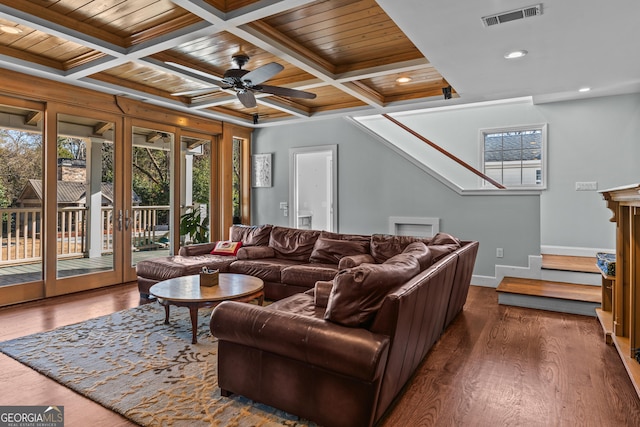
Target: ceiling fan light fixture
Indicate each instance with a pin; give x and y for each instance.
(515, 54)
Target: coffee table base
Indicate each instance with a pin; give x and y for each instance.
(193, 307)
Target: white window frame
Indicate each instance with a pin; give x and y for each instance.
(542, 127)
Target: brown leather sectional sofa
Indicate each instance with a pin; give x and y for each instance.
(353, 316)
(339, 353)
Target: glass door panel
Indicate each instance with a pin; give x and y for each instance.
(150, 215)
(85, 196)
(195, 189)
(21, 200)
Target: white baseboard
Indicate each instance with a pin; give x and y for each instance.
(572, 250)
(532, 271)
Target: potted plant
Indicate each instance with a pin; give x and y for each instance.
(193, 225)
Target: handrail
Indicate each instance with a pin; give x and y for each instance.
(446, 153)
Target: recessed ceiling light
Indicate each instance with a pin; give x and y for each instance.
(9, 29)
(584, 89)
(403, 79)
(515, 54)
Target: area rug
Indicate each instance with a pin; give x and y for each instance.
(134, 364)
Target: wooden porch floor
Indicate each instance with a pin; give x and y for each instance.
(22, 273)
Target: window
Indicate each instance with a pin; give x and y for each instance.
(515, 157)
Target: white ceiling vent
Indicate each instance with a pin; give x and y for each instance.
(512, 15)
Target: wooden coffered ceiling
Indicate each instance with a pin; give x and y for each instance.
(347, 52)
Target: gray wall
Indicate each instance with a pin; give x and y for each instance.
(594, 139)
(375, 183)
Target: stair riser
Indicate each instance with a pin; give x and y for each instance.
(571, 277)
(550, 304)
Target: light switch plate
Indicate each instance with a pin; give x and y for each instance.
(586, 186)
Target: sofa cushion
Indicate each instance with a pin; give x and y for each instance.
(255, 252)
(358, 293)
(250, 235)
(196, 249)
(444, 239)
(443, 244)
(292, 243)
(164, 268)
(421, 252)
(330, 251)
(267, 269)
(340, 236)
(300, 303)
(308, 274)
(384, 246)
(225, 247)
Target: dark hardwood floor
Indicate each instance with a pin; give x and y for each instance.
(495, 366)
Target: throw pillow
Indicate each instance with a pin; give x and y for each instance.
(226, 248)
(358, 293)
(443, 244)
(444, 239)
(421, 252)
(330, 251)
(250, 235)
(384, 246)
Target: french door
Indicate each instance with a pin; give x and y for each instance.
(84, 237)
(95, 194)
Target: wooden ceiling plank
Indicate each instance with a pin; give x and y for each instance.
(59, 25)
(270, 35)
(143, 50)
(328, 35)
(262, 9)
(382, 70)
(17, 56)
(338, 19)
(373, 63)
(180, 25)
(367, 91)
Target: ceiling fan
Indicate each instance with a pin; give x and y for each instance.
(245, 82)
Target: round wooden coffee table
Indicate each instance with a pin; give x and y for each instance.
(186, 292)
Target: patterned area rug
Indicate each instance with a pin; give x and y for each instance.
(134, 364)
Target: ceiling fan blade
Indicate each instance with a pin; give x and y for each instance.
(262, 74)
(247, 98)
(284, 91)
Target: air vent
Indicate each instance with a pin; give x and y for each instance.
(512, 15)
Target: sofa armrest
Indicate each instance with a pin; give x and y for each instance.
(197, 249)
(255, 252)
(355, 352)
(354, 261)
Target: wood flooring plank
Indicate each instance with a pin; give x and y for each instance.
(502, 365)
(495, 365)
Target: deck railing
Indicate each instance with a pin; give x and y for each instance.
(21, 232)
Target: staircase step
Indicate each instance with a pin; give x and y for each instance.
(548, 295)
(570, 263)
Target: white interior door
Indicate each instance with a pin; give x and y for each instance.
(313, 188)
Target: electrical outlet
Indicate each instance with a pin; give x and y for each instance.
(499, 252)
(586, 186)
